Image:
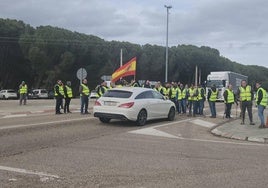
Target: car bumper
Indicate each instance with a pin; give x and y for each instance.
(116, 113)
(109, 115)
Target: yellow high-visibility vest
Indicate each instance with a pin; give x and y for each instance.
(245, 94)
(264, 96)
(69, 92)
(85, 89)
(230, 97)
(61, 91)
(213, 96)
(23, 89)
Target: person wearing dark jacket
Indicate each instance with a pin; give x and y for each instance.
(59, 95)
(229, 100)
(261, 101)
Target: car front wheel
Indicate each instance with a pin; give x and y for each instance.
(142, 118)
(171, 114)
(105, 120)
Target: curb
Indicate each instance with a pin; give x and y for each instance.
(237, 136)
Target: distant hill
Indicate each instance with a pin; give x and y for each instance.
(44, 54)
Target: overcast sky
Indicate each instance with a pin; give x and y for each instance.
(237, 28)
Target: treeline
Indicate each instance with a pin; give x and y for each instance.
(44, 54)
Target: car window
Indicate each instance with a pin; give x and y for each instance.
(145, 95)
(10, 91)
(158, 95)
(117, 94)
(43, 91)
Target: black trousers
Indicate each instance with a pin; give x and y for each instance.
(246, 105)
(58, 104)
(67, 104)
(228, 107)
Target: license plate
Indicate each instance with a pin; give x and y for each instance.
(109, 103)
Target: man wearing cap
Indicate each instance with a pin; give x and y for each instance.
(23, 90)
(59, 95)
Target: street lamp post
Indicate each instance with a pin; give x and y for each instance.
(166, 75)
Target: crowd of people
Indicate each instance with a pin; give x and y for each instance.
(186, 98)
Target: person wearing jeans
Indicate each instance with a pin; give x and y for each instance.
(84, 94)
(261, 100)
(212, 97)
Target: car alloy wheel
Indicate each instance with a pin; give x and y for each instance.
(142, 118)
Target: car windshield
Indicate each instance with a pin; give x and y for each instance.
(117, 94)
(217, 83)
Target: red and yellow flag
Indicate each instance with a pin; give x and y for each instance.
(127, 69)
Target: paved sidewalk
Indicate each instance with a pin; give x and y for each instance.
(233, 129)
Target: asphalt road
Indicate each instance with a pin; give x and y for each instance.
(73, 150)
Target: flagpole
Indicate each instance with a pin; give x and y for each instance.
(121, 57)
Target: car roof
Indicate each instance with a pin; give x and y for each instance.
(132, 89)
(8, 90)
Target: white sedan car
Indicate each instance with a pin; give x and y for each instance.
(8, 94)
(134, 104)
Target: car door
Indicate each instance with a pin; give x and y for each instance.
(160, 105)
(144, 100)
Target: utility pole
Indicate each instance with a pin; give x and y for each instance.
(166, 73)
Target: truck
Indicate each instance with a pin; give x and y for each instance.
(221, 79)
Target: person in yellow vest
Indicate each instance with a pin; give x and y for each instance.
(102, 88)
(229, 100)
(245, 94)
(84, 94)
(168, 90)
(201, 100)
(68, 93)
(59, 95)
(261, 101)
(23, 90)
(174, 94)
(195, 101)
(182, 96)
(212, 97)
(190, 95)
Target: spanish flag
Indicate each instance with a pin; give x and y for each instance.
(127, 69)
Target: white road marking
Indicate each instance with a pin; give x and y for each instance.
(154, 132)
(24, 171)
(15, 115)
(43, 123)
(203, 123)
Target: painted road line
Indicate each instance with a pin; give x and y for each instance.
(30, 172)
(154, 132)
(15, 115)
(203, 123)
(43, 123)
